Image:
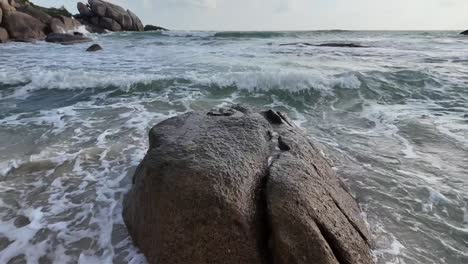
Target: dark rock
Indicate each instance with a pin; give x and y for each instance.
(1, 15)
(23, 27)
(78, 33)
(109, 24)
(91, 27)
(84, 10)
(98, 7)
(66, 39)
(136, 22)
(36, 13)
(235, 186)
(464, 32)
(342, 45)
(154, 28)
(21, 221)
(94, 47)
(3, 35)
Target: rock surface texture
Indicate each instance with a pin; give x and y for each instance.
(108, 16)
(25, 21)
(237, 186)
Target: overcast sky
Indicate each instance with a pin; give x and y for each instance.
(295, 14)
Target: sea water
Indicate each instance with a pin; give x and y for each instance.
(392, 116)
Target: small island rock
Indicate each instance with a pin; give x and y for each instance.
(94, 47)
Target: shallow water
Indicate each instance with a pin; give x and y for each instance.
(73, 127)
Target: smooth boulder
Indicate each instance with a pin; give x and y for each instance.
(23, 27)
(94, 47)
(238, 186)
(137, 24)
(66, 39)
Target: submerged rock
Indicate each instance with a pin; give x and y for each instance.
(237, 186)
(154, 28)
(94, 47)
(66, 39)
(342, 45)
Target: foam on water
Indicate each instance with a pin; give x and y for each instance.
(75, 128)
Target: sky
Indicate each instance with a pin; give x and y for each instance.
(295, 14)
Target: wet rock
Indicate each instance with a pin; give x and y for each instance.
(23, 27)
(3, 35)
(464, 32)
(4, 242)
(78, 33)
(1, 15)
(70, 23)
(21, 221)
(66, 39)
(237, 186)
(342, 45)
(94, 47)
(20, 259)
(154, 28)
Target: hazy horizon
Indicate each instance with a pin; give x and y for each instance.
(294, 15)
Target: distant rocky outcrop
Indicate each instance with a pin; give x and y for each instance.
(154, 28)
(464, 32)
(108, 16)
(25, 21)
(238, 186)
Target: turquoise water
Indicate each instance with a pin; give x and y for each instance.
(392, 116)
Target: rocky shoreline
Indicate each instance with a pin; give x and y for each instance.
(23, 21)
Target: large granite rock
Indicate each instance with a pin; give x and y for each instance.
(36, 13)
(110, 16)
(109, 24)
(23, 27)
(66, 39)
(3, 35)
(137, 24)
(6, 7)
(237, 186)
